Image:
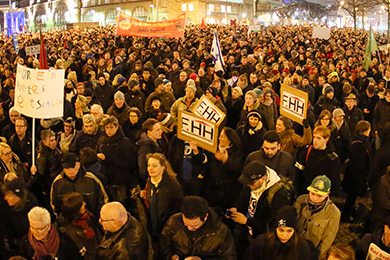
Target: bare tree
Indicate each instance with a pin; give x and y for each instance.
(354, 7)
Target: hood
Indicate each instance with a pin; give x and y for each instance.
(273, 178)
(144, 139)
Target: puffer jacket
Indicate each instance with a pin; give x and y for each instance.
(213, 241)
(320, 228)
(129, 243)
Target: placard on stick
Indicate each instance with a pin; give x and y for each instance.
(208, 110)
(293, 103)
(192, 128)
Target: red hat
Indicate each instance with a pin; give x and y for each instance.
(203, 64)
(286, 71)
(193, 76)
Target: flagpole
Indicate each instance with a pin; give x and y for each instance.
(33, 142)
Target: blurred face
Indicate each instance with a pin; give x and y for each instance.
(350, 103)
(146, 75)
(71, 173)
(89, 128)
(279, 126)
(387, 97)
(156, 104)
(50, 142)
(11, 198)
(13, 116)
(107, 221)
(257, 183)
(156, 132)
(254, 121)
(68, 128)
(319, 142)
(80, 89)
(270, 149)
(317, 198)
(325, 121)
(330, 95)
(338, 119)
(194, 223)
(110, 129)
(6, 155)
(183, 76)
(235, 94)
(305, 82)
(102, 81)
(155, 169)
(39, 230)
(249, 100)
(190, 94)
(224, 140)
(253, 78)
(119, 102)
(133, 117)
(20, 127)
(284, 234)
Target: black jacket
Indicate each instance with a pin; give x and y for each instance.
(381, 202)
(212, 241)
(133, 132)
(353, 117)
(381, 114)
(83, 139)
(105, 95)
(364, 245)
(145, 145)
(251, 138)
(48, 163)
(129, 243)
(22, 148)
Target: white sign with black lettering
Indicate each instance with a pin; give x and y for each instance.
(293, 103)
(33, 50)
(208, 110)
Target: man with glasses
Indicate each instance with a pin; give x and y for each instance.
(21, 142)
(125, 237)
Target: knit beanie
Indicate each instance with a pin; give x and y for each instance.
(239, 90)
(16, 186)
(119, 95)
(158, 82)
(191, 85)
(287, 217)
(252, 94)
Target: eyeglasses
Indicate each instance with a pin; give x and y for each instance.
(105, 220)
(20, 126)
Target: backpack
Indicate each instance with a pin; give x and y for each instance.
(285, 183)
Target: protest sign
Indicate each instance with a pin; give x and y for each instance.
(254, 28)
(129, 26)
(208, 110)
(39, 93)
(33, 50)
(321, 33)
(293, 103)
(375, 253)
(192, 128)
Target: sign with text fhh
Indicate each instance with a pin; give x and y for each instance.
(39, 93)
(206, 109)
(293, 103)
(192, 128)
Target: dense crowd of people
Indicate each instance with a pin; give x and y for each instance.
(112, 180)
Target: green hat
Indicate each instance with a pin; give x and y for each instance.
(320, 185)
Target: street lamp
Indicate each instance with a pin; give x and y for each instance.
(244, 15)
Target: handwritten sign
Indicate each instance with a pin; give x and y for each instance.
(129, 26)
(33, 50)
(39, 93)
(208, 110)
(293, 103)
(321, 33)
(375, 253)
(192, 128)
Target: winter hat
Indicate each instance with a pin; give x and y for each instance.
(287, 217)
(119, 95)
(213, 91)
(82, 100)
(258, 91)
(120, 80)
(16, 186)
(338, 112)
(88, 92)
(286, 121)
(351, 96)
(191, 85)
(333, 74)
(193, 76)
(267, 84)
(165, 81)
(133, 83)
(252, 94)
(252, 172)
(158, 82)
(155, 98)
(167, 121)
(255, 113)
(69, 160)
(239, 90)
(328, 88)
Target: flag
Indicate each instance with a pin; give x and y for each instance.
(370, 47)
(217, 55)
(203, 25)
(42, 55)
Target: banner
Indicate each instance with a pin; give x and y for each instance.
(192, 128)
(217, 55)
(16, 24)
(375, 253)
(39, 93)
(33, 50)
(208, 110)
(321, 33)
(129, 26)
(293, 103)
(370, 47)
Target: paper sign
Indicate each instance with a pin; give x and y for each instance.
(33, 50)
(129, 26)
(39, 93)
(321, 33)
(208, 110)
(254, 28)
(375, 253)
(293, 103)
(192, 128)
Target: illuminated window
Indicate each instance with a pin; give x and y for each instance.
(190, 7)
(223, 8)
(211, 8)
(228, 9)
(184, 7)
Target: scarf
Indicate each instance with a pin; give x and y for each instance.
(48, 248)
(338, 125)
(82, 222)
(313, 207)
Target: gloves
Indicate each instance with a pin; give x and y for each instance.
(305, 123)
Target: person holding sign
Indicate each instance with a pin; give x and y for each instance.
(375, 246)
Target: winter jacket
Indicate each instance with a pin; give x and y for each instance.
(282, 162)
(22, 148)
(364, 245)
(352, 117)
(133, 132)
(136, 99)
(341, 139)
(83, 139)
(180, 105)
(48, 163)
(321, 227)
(251, 138)
(120, 164)
(87, 184)
(167, 99)
(122, 114)
(105, 94)
(368, 103)
(129, 243)
(290, 141)
(381, 202)
(19, 169)
(325, 103)
(212, 241)
(145, 146)
(381, 114)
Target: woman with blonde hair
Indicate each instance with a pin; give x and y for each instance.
(338, 252)
(11, 167)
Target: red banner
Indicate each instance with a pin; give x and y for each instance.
(129, 26)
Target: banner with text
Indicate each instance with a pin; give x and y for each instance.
(375, 253)
(129, 26)
(206, 109)
(192, 128)
(33, 50)
(293, 103)
(39, 93)
(321, 33)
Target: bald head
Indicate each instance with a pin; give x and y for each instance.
(113, 216)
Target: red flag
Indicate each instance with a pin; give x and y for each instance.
(203, 25)
(42, 55)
